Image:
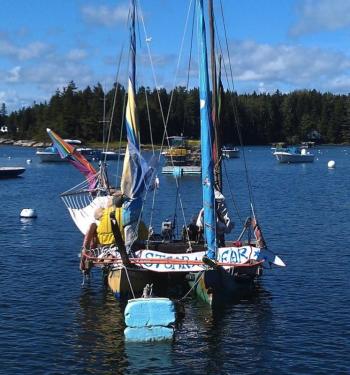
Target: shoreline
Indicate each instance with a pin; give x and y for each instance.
(99, 145)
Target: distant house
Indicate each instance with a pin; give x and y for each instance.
(3, 129)
(314, 135)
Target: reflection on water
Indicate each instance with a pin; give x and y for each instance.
(202, 336)
(216, 340)
(100, 343)
(149, 357)
(100, 338)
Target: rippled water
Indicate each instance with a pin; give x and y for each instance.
(297, 322)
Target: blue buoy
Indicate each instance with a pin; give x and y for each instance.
(157, 333)
(149, 319)
(148, 312)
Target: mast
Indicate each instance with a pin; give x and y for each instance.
(132, 128)
(215, 113)
(207, 138)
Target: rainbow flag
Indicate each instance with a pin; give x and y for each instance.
(68, 151)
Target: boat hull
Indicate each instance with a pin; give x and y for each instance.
(286, 157)
(218, 286)
(119, 280)
(230, 154)
(184, 169)
(111, 155)
(10, 172)
(54, 157)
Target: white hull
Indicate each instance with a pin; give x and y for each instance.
(49, 156)
(46, 156)
(287, 157)
(185, 169)
(230, 153)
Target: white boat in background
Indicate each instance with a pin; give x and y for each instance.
(111, 155)
(294, 155)
(51, 154)
(181, 158)
(230, 152)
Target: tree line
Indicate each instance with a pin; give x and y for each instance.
(260, 118)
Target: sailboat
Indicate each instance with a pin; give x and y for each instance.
(212, 269)
(221, 282)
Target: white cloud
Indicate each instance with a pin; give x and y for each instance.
(13, 74)
(320, 15)
(295, 66)
(76, 54)
(104, 15)
(32, 50)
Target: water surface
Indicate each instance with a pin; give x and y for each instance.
(297, 321)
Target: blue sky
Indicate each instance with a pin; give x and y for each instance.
(274, 44)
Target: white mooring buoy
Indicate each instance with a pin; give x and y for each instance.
(29, 161)
(28, 213)
(331, 164)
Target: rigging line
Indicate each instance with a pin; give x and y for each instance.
(193, 286)
(165, 133)
(218, 40)
(120, 138)
(191, 46)
(176, 199)
(146, 100)
(157, 90)
(231, 194)
(189, 60)
(165, 121)
(127, 275)
(151, 217)
(81, 184)
(114, 102)
(149, 120)
(250, 190)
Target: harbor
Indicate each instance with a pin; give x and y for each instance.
(52, 322)
(188, 215)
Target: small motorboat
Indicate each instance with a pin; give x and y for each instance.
(7, 172)
(51, 154)
(230, 152)
(294, 155)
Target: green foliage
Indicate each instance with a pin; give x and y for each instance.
(261, 118)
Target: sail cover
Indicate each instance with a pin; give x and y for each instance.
(68, 151)
(206, 140)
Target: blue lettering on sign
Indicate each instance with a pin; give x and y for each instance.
(169, 266)
(242, 253)
(234, 255)
(182, 266)
(224, 256)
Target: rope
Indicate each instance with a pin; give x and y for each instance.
(193, 286)
(127, 275)
(250, 191)
(165, 121)
(114, 104)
